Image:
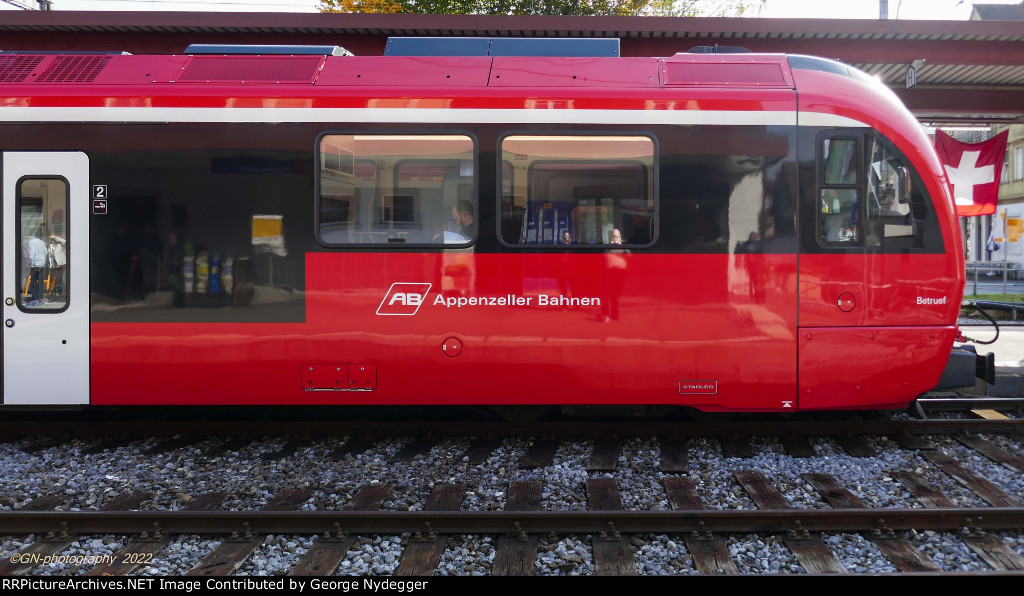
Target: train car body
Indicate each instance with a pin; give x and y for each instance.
(321, 229)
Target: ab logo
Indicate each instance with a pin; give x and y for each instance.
(403, 299)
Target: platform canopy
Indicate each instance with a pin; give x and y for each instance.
(964, 71)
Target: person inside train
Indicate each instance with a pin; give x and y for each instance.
(443, 232)
(463, 213)
(57, 263)
(37, 255)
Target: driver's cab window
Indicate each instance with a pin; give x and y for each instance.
(839, 190)
(888, 196)
(865, 194)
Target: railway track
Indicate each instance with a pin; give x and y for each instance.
(599, 528)
(517, 531)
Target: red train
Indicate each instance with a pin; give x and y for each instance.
(721, 231)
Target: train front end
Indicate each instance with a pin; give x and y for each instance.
(881, 263)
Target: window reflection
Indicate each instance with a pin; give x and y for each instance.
(404, 189)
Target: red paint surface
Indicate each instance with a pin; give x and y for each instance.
(856, 367)
(725, 318)
(738, 320)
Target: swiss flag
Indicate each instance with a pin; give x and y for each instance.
(973, 170)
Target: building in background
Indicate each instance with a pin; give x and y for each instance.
(998, 12)
(1011, 187)
(1011, 196)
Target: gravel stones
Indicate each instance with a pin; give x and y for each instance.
(252, 475)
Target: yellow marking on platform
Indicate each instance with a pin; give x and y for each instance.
(989, 415)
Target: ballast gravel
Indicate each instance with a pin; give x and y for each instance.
(252, 477)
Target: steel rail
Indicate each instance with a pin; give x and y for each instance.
(878, 522)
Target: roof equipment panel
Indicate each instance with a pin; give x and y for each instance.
(73, 69)
(503, 46)
(574, 72)
(250, 69)
(438, 46)
(290, 50)
(420, 71)
(727, 70)
(16, 68)
(717, 49)
(556, 47)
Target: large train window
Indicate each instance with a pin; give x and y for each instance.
(408, 189)
(578, 189)
(42, 218)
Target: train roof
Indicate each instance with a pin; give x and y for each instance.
(333, 67)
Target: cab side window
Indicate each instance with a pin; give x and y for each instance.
(839, 191)
(869, 197)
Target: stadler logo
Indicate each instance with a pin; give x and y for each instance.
(403, 299)
(698, 387)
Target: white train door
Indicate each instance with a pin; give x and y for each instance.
(45, 278)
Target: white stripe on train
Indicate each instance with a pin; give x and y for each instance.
(422, 115)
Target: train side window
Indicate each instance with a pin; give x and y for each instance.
(839, 191)
(408, 189)
(558, 189)
(42, 206)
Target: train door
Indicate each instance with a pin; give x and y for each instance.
(45, 278)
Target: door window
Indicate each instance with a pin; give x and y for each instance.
(42, 205)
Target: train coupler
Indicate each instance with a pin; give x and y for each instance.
(964, 366)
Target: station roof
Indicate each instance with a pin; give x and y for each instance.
(967, 71)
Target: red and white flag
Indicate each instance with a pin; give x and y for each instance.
(973, 170)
